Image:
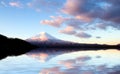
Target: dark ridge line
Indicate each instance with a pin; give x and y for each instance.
(13, 47)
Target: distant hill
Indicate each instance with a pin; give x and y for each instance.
(45, 40)
(13, 46)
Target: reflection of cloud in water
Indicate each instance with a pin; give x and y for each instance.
(83, 62)
(68, 63)
(41, 56)
(44, 56)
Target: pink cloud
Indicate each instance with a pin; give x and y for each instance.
(71, 6)
(56, 22)
(42, 57)
(53, 70)
(68, 30)
(15, 4)
(68, 63)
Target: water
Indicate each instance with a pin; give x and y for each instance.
(63, 62)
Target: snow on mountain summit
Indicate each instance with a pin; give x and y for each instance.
(43, 36)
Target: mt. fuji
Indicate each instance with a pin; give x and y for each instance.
(43, 36)
(45, 39)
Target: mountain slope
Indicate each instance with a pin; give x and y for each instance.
(44, 39)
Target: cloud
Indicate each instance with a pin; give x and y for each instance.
(3, 4)
(83, 35)
(82, 8)
(81, 65)
(53, 70)
(98, 37)
(56, 22)
(101, 26)
(72, 63)
(15, 4)
(85, 15)
(68, 30)
(83, 58)
(115, 72)
(91, 10)
(85, 69)
(101, 68)
(42, 57)
(87, 9)
(68, 63)
(45, 5)
(76, 23)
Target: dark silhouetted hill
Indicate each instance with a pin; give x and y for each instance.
(13, 46)
(64, 45)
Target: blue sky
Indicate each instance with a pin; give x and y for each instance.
(83, 21)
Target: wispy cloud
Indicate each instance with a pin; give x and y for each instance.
(15, 4)
(45, 5)
(83, 35)
(56, 22)
(3, 4)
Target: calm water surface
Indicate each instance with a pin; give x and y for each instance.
(63, 62)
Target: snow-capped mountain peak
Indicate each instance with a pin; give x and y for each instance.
(43, 36)
(44, 39)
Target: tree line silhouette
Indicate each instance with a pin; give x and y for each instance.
(13, 46)
(73, 45)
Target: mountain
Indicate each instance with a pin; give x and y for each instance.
(43, 36)
(45, 40)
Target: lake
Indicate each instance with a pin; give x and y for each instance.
(63, 62)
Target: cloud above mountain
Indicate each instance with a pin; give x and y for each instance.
(87, 9)
(44, 5)
(15, 4)
(88, 15)
(83, 35)
(68, 30)
(82, 15)
(55, 22)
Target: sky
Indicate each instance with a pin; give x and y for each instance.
(83, 21)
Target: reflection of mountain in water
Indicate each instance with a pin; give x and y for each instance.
(45, 54)
(79, 62)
